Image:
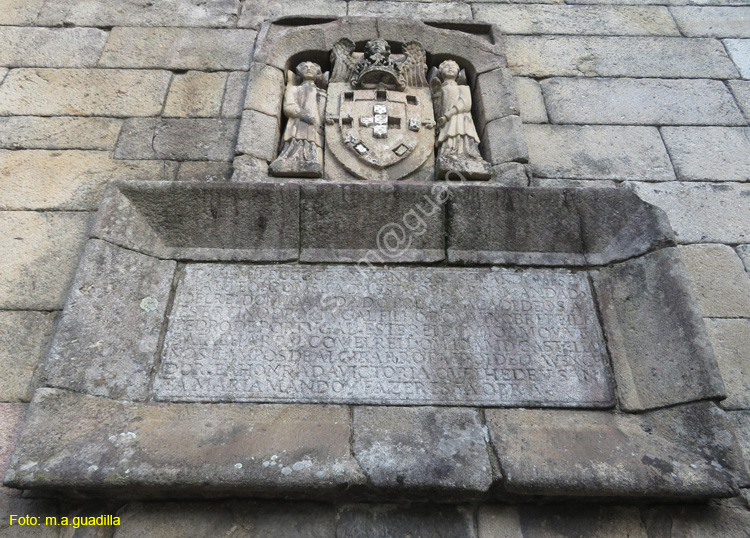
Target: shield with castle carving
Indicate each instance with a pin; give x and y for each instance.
(380, 121)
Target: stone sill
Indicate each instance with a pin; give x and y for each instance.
(76, 445)
(340, 223)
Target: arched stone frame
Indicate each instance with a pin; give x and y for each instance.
(477, 48)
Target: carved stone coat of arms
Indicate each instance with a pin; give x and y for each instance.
(379, 113)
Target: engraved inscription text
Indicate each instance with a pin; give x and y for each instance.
(402, 336)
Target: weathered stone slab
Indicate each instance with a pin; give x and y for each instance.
(51, 47)
(665, 2)
(265, 89)
(743, 251)
(249, 169)
(498, 520)
(66, 180)
(741, 91)
(699, 521)
(234, 95)
(741, 421)
(206, 221)
(40, 508)
(403, 336)
(254, 12)
(92, 444)
(592, 56)
(714, 21)
(511, 174)
(719, 280)
(578, 20)
(551, 227)
(406, 10)
(291, 519)
(572, 183)
(709, 153)
(660, 350)
(682, 452)
(195, 94)
(138, 13)
(623, 101)
(204, 171)
(19, 12)
(12, 415)
(730, 339)
(422, 449)
(739, 51)
(83, 92)
(530, 100)
(23, 340)
(580, 520)
(372, 223)
(503, 141)
(495, 96)
(598, 152)
(38, 256)
(259, 135)
(179, 48)
(194, 139)
(618, 227)
(701, 212)
(526, 1)
(32, 132)
(106, 343)
(513, 226)
(436, 521)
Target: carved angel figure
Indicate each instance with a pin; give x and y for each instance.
(304, 107)
(458, 142)
(458, 136)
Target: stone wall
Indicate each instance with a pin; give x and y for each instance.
(647, 95)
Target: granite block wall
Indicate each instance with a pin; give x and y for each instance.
(647, 95)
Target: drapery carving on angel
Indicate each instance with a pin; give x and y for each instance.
(458, 141)
(304, 107)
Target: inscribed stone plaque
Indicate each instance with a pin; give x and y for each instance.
(418, 335)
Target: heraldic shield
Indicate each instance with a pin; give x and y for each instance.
(379, 114)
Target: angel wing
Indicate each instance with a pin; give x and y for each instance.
(414, 66)
(432, 74)
(436, 85)
(461, 79)
(291, 78)
(342, 60)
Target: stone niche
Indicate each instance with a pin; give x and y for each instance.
(362, 338)
(377, 113)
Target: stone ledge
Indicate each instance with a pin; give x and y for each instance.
(490, 225)
(344, 222)
(202, 221)
(683, 452)
(84, 446)
(376, 223)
